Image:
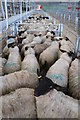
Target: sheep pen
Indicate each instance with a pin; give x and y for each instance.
(39, 73)
(17, 80)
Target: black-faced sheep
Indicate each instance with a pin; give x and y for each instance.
(19, 104)
(30, 62)
(58, 72)
(74, 79)
(2, 64)
(46, 85)
(50, 55)
(28, 39)
(16, 80)
(39, 48)
(56, 105)
(14, 61)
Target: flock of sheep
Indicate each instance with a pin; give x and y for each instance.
(39, 73)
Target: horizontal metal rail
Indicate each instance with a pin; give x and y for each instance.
(14, 19)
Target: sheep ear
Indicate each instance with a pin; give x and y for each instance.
(45, 65)
(35, 35)
(38, 72)
(66, 38)
(46, 36)
(52, 38)
(52, 32)
(70, 53)
(32, 46)
(59, 45)
(26, 48)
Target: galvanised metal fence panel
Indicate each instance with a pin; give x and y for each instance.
(69, 15)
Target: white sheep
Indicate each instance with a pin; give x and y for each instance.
(39, 48)
(66, 46)
(50, 55)
(18, 104)
(30, 62)
(14, 61)
(58, 72)
(28, 39)
(74, 77)
(35, 41)
(56, 105)
(2, 64)
(6, 51)
(16, 80)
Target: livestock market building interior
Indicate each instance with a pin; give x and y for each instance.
(39, 59)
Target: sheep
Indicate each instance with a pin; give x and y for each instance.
(33, 26)
(14, 61)
(23, 50)
(66, 46)
(35, 41)
(56, 105)
(74, 75)
(10, 42)
(43, 38)
(20, 79)
(39, 48)
(6, 51)
(28, 39)
(58, 72)
(48, 39)
(2, 63)
(19, 104)
(45, 85)
(49, 55)
(37, 29)
(30, 62)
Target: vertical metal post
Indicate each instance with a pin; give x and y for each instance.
(69, 18)
(26, 7)
(17, 28)
(54, 21)
(13, 29)
(14, 8)
(76, 23)
(10, 9)
(2, 9)
(21, 10)
(64, 17)
(59, 30)
(6, 14)
(29, 5)
(77, 45)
